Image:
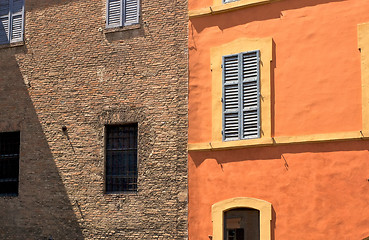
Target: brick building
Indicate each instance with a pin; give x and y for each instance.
(93, 120)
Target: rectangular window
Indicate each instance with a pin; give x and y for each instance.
(11, 21)
(241, 96)
(228, 1)
(242, 224)
(9, 163)
(122, 12)
(121, 158)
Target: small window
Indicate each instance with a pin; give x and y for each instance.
(121, 158)
(11, 21)
(228, 1)
(122, 12)
(9, 163)
(242, 224)
(241, 93)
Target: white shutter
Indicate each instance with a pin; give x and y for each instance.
(231, 97)
(250, 95)
(17, 16)
(131, 12)
(241, 96)
(114, 13)
(4, 21)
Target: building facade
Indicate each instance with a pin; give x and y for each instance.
(93, 120)
(278, 119)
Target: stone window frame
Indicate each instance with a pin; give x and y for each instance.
(145, 140)
(265, 46)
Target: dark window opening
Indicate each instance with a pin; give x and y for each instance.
(9, 163)
(121, 158)
(242, 224)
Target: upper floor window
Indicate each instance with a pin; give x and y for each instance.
(121, 158)
(122, 12)
(9, 163)
(228, 1)
(241, 93)
(242, 224)
(11, 21)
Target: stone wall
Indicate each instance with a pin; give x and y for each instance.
(73, 72)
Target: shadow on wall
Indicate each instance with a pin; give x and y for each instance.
(259, 13)
(40, 4)
(276, 152)
(42, 210)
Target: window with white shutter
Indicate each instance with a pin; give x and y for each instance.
(11, 21)
(122, 13)
(241, 96)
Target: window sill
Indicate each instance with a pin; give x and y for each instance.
(10, 45)
(327, 137)
(231, 6)
(121, 29)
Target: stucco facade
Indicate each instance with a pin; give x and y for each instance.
(311, 160)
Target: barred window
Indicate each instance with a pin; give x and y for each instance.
(121, 158)
(9, 163)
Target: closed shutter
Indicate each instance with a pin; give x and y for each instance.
(114, 13)
(131, 12)
(4, 21)
(250, 95)
(241, 90)
(17, 16)
(231, 98)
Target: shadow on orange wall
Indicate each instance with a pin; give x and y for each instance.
(259, 13)
(275, 152)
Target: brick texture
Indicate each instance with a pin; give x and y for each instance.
(72, 72)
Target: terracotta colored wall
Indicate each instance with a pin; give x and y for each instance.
(323, 192)
(317, 63)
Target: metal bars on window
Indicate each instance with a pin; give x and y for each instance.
(9, 163)
(121, 158)
(241, 96)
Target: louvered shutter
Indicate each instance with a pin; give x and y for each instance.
(17, 16)
(114, 13)
(231, 98)
(131, 12)
(250, 123)
(4, 21)
(241, 91)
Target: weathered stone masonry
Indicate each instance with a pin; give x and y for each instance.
(72, 72)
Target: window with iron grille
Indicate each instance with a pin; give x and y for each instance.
(9, 163)
(121, 158)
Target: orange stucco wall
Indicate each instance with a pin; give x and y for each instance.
(317, 190)
(316, 68)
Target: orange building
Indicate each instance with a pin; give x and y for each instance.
(278, 119)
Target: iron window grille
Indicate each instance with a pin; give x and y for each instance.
(9, 163)
(121, 158)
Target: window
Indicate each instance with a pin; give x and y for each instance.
(241, 104)
(9, 163)
(242, 224)
(121, 158)
(241, 93)
(228, 1)
(11, 21)
(122, 13)
(242, 218)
